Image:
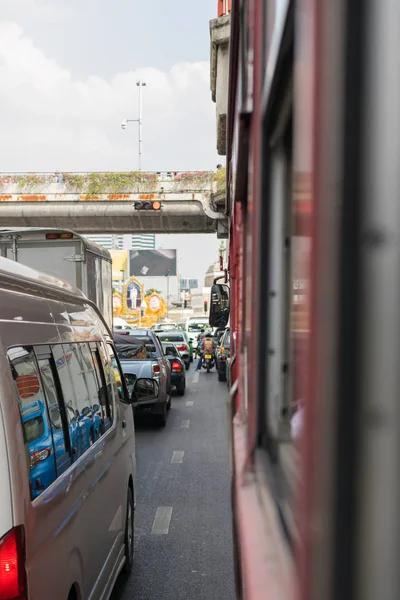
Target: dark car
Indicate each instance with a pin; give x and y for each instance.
(178, 378)
(218, 335)
(179, 340)
(141, 356)
(222, 354)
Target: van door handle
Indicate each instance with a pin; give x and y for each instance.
(123, 423)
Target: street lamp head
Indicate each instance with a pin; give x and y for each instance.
(123, 124)
(140, 83)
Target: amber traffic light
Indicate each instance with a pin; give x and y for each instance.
(147, 205)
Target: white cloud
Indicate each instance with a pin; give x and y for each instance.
(41, 10)
(50, 120)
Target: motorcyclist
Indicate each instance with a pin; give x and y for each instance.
(206, 344)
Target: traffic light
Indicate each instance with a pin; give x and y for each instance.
(147, 205)
(205, 306)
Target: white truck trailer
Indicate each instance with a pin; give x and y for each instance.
(66, 255)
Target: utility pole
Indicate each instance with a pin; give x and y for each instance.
(140, 84)
(167, 276)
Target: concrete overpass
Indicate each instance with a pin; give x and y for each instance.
(191, 202)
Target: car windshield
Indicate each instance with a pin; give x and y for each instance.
(197, 327)
(174, 337)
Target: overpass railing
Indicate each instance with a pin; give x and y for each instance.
(98, 183)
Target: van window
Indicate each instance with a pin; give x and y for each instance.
(116, 374)
(87, 412)
(59, 426)
(110, 383)
(36, 428)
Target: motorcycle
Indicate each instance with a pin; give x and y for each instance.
(208, 361)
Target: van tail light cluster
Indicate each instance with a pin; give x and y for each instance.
(40, 455)
(12, 565)
(156, 371)
(59, 236)
(176, 367)
(182, 348)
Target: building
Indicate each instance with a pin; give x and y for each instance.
(213, 271)
(111, 242)
(140, 241)
(200, 301)
(189, 284)
(124, 242)
(219, 69)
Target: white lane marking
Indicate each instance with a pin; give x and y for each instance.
(185, 423)
(189, 403)
(177, 456)
(162, 520)
(196, 377)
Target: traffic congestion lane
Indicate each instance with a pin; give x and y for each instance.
(183, 521)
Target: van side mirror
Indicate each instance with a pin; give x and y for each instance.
(144, 389)
(219, 305)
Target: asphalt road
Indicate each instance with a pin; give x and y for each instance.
(183, 534)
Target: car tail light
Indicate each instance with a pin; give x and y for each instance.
(156, 370)
(40, 455)
(176, 367)
(182, 348)
(12, 565)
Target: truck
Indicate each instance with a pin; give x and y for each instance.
(67, 255)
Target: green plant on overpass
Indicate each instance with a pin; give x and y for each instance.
(220, 179)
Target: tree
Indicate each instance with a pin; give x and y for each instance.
(151, 291)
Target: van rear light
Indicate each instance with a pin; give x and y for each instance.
(40, 455)
(176, 367)
(156, 370)
(59, 236)
(12, 565)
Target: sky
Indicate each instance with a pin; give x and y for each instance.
(68, 73)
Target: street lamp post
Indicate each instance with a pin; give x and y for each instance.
(167, 276)
(143, 307)
(140, 84)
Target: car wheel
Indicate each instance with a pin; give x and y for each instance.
(221, 377)
(162, 419)
(181, 390)
(191, 359)
(129, 532)
(187, 366)
(169, 401)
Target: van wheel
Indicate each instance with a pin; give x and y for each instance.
(129, 532)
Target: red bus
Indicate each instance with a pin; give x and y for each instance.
(313, 196)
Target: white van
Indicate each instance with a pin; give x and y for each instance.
(193, 326)
(67, 444)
